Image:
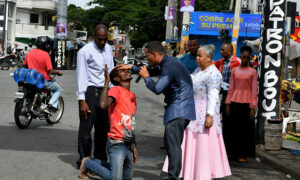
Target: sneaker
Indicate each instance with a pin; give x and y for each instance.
(50, 109)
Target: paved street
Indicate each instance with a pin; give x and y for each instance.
(49, 152)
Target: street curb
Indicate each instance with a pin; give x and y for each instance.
(277, 164)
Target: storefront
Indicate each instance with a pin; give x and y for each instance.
(205, 26)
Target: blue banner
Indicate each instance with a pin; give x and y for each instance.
(209, 23)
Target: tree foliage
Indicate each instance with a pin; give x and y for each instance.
(211, 5)
(81, 19)
(143, 20)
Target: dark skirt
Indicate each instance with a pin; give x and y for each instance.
(244, 136)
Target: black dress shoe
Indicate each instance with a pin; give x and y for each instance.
(78, 163)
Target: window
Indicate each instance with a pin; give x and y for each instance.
(1, 24)
(10, 10)
(1, 9)
(34, 18)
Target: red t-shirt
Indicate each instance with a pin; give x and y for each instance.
(122, 114)
(39, 60)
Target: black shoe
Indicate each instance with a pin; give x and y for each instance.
(78, 163)
(50, 109)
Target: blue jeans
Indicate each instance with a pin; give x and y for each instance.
(56, 89)
(120, 163)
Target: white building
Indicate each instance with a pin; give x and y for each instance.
(35, 18)
(255, 6)
(10, 22)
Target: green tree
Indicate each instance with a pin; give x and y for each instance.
(211, 5)
(80, 19)
(143, 20)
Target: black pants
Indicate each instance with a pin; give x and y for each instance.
(244, 138)
(173, 137)
(97, 118)
(227, 125)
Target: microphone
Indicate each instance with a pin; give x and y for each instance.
(139, 77)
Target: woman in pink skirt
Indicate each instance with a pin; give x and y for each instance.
(203, 151)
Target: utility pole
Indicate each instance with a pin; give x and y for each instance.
(62, 7)
(236, 25)
(231, 5)
(4, 28)
(287, 45)
(185, 30)
(170, 23)
(60, 55)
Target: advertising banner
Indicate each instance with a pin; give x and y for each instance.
(60, 55)
(209, 23)
(171, 13)
(60, 29)
(296, 35)
(187, 5)
(270, 62)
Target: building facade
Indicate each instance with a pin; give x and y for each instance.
(35, 18)
(10, 28)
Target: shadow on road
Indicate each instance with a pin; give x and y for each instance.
(43, 138)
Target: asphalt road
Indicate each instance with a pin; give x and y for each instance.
(49, 152)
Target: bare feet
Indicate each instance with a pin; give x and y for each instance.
(82, 171)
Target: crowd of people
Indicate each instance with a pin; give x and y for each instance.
(197, 140)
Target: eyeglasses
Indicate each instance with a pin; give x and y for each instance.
(246, 57)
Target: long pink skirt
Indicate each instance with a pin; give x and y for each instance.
(203, 156)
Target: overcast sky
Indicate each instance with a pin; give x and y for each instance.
(81, 3)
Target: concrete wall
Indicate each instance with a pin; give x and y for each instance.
(32, 30)
(23, 16)
(37, 4)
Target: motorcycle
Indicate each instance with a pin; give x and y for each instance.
(7, 61)
(11, 61)
(30, 103)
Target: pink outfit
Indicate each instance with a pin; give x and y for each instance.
(243, 86)
(204, 156)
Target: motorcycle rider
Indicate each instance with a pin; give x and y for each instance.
(39, 59)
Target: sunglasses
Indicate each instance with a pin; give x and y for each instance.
(246, 57)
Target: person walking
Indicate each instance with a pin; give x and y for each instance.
(125, 59)
(204, 155)
(189, 60)
(241, 104)
(90, 81)
(226, 65)
(176, 84)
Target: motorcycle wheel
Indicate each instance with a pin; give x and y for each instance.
(55, 118)
(5, 66)
(22, 119)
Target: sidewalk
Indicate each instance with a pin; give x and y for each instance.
(281, 160)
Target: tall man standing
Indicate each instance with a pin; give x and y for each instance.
(189, 60)
(176, 84)
(225, 65)
(91, 60)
